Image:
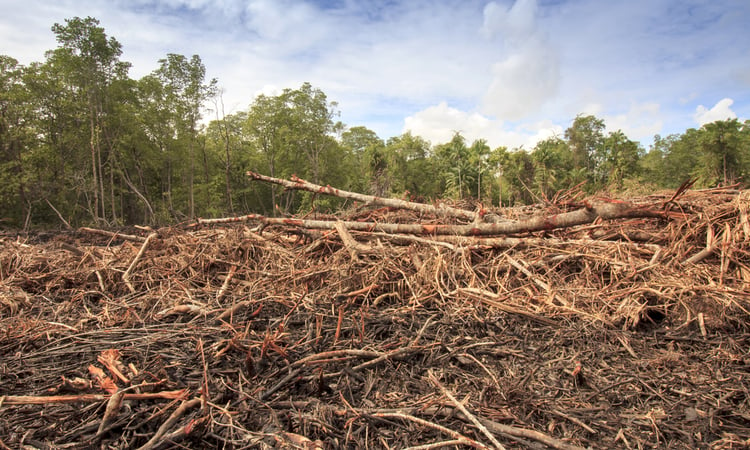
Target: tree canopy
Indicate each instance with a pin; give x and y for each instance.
(83, 143)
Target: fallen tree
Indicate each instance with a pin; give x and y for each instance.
(604, 324)
(588, 213)
(297, 183)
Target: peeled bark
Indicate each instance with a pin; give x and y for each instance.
(603, 209)
(299, 184)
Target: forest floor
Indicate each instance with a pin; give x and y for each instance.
(620, 333)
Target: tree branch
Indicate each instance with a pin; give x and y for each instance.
(300, 184)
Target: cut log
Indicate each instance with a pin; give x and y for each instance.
(607, 210)
(300, 184)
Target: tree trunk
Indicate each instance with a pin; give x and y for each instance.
(95, 209)
(227, 164)
(606, 210)
(206, 179)
(297, 183)
(149, 209)
(191, 198)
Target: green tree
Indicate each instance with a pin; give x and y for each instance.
(681, 157)
(517, 168)
(15, 135)
(360, 144)
(378, 169)
(414, 165)
(651, 166)
(553, 162)
(89, 62)
(479, 153)
(294, 133)
(186, 90)
(454, 166)
(723, 146)
(267, 128)
(312, 116)
(619, 159)
(585, 138)
(226, 138)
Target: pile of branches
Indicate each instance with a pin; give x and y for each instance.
(575, 323)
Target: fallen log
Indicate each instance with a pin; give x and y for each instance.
(607, 210)
(300, 184)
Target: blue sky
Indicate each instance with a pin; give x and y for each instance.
(512, 72)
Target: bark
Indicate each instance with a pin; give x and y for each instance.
(603, 209)
(297, 183)
(93, 170)
(150, 210)
(191, 197)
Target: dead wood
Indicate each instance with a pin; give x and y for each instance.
(588, 214)
(618, 324)
(441, 210)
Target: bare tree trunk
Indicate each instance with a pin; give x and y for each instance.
(206, 178)
(93, 169)
(272, 168)
(101, 180)
(606, 210)
(113, 204)
(227, 163)
(96, 133)
(135, 190)
(191, 199)
(299, 184)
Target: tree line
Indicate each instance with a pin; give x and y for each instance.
(83, 143)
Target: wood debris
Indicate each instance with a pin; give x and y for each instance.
(599, 324)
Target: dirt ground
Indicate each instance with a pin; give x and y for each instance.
(618, 333)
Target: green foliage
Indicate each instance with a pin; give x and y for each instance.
(411, 167)
(83, 142)
(292, 132)
(717, 153)
(360, 145)
(585, 138)
(455, 167)
(724, 152)
(518, 178)
(619, 159)
(15, 134)
(553, 165)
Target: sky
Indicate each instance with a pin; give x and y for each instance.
(512, 72)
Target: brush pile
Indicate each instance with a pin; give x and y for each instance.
(596, 323)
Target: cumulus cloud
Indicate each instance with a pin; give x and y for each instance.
(296, 25)
(514, 22)
(438, 124)
(640, 123)
(522, 82)
(505, 64)
(720, 111)
(529, 73)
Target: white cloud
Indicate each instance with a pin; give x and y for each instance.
(720, 111)
(269, 90)
(541, 131)
(292, 26)
(504, 66)
(515, 22)
(640, 123)
(528, 76)
(438, 124)
(522, 82)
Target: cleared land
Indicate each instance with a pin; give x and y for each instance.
(627, 330)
